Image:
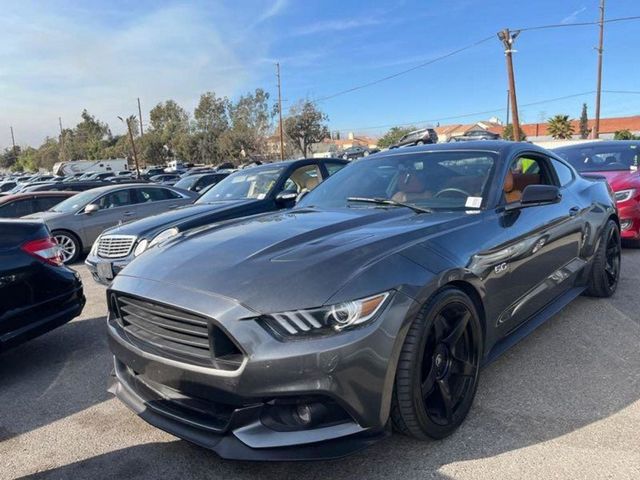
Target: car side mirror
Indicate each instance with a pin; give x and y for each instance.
(534, 195)
(91, 208)
(286, 197)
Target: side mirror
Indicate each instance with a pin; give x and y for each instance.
(91, 208)
(286, 197)
(534, 195)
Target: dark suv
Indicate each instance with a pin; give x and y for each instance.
(417, 137)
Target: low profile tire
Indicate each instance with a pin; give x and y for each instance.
(438, 369)
(605, 272)
(69, 245)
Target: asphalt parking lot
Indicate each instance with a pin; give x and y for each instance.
(564, 403)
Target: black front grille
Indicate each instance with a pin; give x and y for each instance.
(175, 333)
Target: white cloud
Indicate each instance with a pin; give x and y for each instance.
(336, 25)
(573, 16)
(275, 9)
(56, 64)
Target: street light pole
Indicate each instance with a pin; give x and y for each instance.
(280, 112)
(596, 125)
(507, 39)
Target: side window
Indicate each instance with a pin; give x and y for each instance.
(307, 177)
(334, 167)
(565, 175)
(45, 203)
(524, 171)
(17, 209)
(151, 194)
(116, 199)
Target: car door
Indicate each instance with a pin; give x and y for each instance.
(537, 256)
(115, 207)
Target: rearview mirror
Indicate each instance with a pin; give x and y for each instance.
(91, 208)
(534, 195)
(286, 197)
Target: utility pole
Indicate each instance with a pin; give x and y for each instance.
(280, 112)
(13, 142)
(140, 117)
(508, 106)
(133, 144)
(507, 38)
(64, 159)
(596, 125)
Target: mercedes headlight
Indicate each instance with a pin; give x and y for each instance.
(94, 248)
(164, 235)
(141, 247)
(329, 319)
(624, 195)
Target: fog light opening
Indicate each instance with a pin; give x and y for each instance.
(309, 414)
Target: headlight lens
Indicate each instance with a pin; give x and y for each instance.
(624, 195)
(164, 235)
(94, 248)
(141, 247)
(325, 320)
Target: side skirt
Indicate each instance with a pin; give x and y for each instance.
(534, 322)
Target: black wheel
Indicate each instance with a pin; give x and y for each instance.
(605, 272)
(420, 142)
(69, 245)
(438, 368)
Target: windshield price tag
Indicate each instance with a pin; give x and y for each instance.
(473, 202)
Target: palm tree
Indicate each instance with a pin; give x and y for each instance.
(559, 127)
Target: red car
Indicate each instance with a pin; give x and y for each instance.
(618, 161)
(21, 204)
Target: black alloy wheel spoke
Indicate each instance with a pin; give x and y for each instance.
(428, 383)
(453, 337)
(447, 401)
(440, 327)
(461, 368)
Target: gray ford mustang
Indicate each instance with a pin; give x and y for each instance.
(372, 305)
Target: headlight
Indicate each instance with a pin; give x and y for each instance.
(141, 247)
(624, 195)
(329, 319)
(164, 235)
(94, 248)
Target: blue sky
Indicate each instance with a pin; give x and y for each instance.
(59, 57)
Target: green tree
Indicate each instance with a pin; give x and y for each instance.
(305, 125)
(393, 136)
(584, 122)
(507, 133)
(625, 135)
(9, 157)
(169, 123)
(559, 127)
(86, 140)
(211, 121)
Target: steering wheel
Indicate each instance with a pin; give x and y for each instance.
(458, 191)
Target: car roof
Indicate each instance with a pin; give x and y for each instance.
(17, 196)
(497, 146)
(607, 143)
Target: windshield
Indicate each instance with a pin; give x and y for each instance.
(435, 180)
(602, 158)
(186, 183)
(74, 203)
(252, 183)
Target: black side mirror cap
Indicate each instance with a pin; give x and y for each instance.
(534, 195)
(286, 197)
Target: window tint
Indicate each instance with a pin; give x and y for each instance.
(307, 177)
(116, 199)
(45, 203)
(606, 157)
(334, 167)
(524, 171)
(16, 209)
(565, 175)
(151, 194)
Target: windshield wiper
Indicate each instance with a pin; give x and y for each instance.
(385, 201)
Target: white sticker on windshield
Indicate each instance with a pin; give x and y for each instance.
(473, 202)
(261, 196)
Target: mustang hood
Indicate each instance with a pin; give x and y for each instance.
(185, 217)
(293, 259)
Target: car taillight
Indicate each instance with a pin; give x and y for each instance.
(45, 249)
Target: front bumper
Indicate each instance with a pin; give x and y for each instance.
(114, 266)
(227, 411)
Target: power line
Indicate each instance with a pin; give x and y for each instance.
(462, 49)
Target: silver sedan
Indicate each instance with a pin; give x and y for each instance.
(79, 220)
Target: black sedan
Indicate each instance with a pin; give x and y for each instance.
(37, 292)
(306, 333)
(199, 181)
(248, 192)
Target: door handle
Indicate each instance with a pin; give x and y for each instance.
(573, 211)
(128, 214)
